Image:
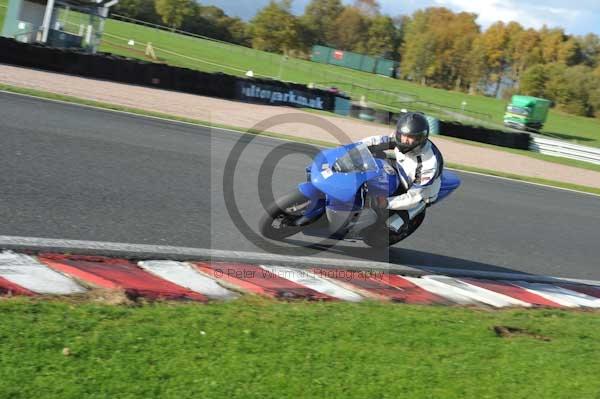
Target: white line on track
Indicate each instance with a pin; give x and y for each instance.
(524, 182)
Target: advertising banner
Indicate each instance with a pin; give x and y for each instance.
(272, 94)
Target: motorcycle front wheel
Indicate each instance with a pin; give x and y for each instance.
(280, 219)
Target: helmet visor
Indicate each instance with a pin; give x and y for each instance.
(407, 140)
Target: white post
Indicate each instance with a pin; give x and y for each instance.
(88, 34)
(47, 19)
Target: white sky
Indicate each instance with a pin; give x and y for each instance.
(575, 17)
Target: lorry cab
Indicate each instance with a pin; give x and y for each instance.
(526, 113)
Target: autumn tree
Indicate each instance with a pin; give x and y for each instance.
(590, 49)
(455, 35)
(569, 52)
(319, 17)
(495, 41)
(275, 28)
(526, 52)
(418, 51)
(551, 40)
(533, 81)
(239, 31)
(173, 12)
(144, 10)
(437, 47)
(351, 30)
(382, 39)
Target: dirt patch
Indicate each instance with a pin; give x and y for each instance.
(511, 332)
(99, 295)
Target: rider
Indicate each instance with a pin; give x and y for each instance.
(419, 164)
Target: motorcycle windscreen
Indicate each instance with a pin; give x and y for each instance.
(340, 172)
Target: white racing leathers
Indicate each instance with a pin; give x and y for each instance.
(420, 172)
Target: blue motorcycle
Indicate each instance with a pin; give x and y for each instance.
(343, 189)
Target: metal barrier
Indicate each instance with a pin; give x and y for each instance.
(564, 149)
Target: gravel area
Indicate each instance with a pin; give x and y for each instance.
(290, 121)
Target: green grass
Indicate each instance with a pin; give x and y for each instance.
(75, 100)
(254, 348)
(2, 13)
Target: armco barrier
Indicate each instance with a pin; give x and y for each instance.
(119, 69)
(563, 149)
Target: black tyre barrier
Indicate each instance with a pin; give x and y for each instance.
(355, 110)
(127, 71)
(157, 75)
(220, 85)
(103, 67)
(116, 68)
(75, 63)
(383, 117)
(183, 79)
(484, 135)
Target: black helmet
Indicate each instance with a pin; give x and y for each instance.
(411, 124)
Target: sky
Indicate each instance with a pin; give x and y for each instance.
(575, 17)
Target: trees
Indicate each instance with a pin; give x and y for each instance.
(526, 52)
(382, 37)
(173, 12)
(437, 47)
(533, 81)
(569, 52)
(495, 46)
(319, 17)
(455, 35)
(275, 29)
(551, 40)
(575, 90)
(351, 30)
(418, 51)
(138, 9)
(207, 21)
(590, 49)
(211, 21)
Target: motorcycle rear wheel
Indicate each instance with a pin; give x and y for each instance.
(382, 237)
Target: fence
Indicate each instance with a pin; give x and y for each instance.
(563, 149)
(359, 62)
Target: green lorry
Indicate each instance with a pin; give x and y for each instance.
(526, 113)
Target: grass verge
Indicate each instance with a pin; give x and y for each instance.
(76, 100)
(257, 348)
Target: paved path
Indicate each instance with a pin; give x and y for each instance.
(244, 115)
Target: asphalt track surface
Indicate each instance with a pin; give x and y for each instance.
(78, 173)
